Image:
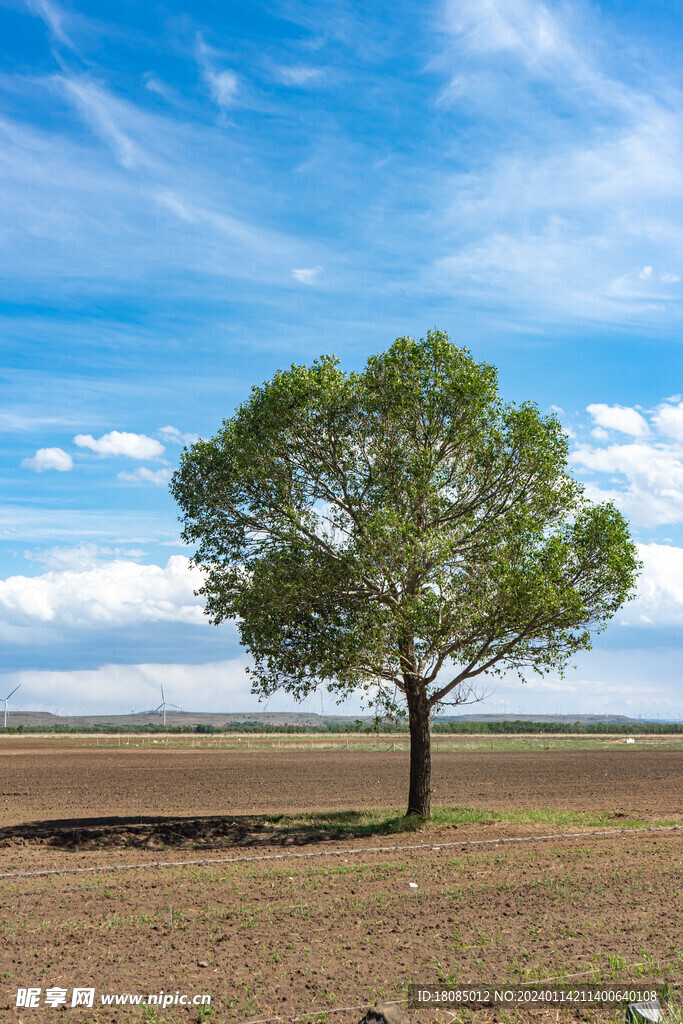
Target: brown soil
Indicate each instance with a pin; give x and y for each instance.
(128, 782)
(292, 937)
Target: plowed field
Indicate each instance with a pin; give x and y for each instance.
(304, 938)
(90, 783)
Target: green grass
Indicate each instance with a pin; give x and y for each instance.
(398, 743)
(390, 822)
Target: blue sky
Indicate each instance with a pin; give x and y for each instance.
(195, 196)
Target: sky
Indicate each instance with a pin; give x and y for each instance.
(195, 196)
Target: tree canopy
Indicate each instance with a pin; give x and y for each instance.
(400, 530)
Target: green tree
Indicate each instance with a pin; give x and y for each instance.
(402, 531)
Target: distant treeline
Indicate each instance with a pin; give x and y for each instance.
(469, 728)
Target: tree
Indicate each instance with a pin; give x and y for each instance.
(402, 531)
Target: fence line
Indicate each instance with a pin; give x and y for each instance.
(335, 853)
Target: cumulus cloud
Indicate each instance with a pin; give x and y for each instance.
(660, 590)
(160, 477)
(307, 275)
(619, 417)
(669, 420)
(113, 593)
(651, 479)
(49, 458)
(643, 477)
(117, 442)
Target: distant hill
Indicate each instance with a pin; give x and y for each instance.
(303, 719)
(173, 718)
(563, 719)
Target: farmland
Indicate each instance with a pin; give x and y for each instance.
(309, 936)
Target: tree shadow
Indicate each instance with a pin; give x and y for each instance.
(214, 833)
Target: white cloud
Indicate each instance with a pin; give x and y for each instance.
(117, 689)
(223, 234)
(307, 275)
(174, 436)
(105, 115)
(160, 477)
(25, 523)
(521, 27)
(53, 17)
(570, 229)
(81, 556)
(298, 75)
(619, 417)
(116, 442)
(660, 590)
(669, 420)
(49, 458)
(114, 593)
(643, 477)
(224, 86)
(171, 213)
(652, 489)
(223, 83)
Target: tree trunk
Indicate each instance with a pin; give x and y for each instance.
(419, 798)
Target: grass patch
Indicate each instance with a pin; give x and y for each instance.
(385, 822)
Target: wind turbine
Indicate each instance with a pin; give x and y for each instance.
(164, 704)
(5, 700)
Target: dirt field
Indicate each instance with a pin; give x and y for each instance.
(38, 783)
(306, 938)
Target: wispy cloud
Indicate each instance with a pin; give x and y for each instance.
(54, 17)
(299, 75)
(159, 477)
(85, 555)
(524, 28)
(15, 421)
(174, 436)
(23, 524)
(307, 275)
(564, 216)
(165, 198)
(105, 116)
(223, 83)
